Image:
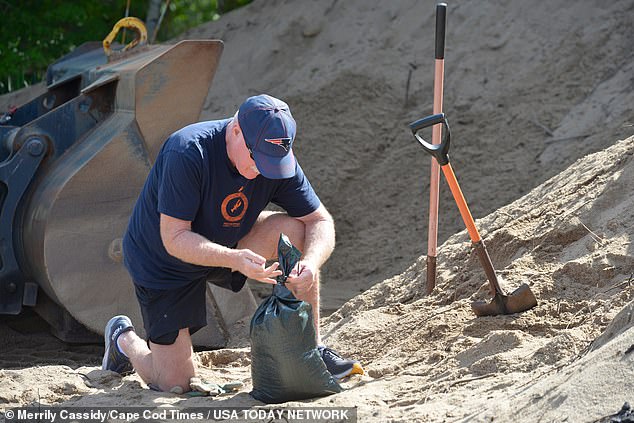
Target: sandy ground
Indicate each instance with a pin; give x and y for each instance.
(531, 91)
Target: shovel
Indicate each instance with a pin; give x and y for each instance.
(434, 181)
(522, 298)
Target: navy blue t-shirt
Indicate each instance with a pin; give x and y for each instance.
(194, 180)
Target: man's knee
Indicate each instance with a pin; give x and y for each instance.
(173, 364)
(291, 227)
(264, 235)
(168, 382)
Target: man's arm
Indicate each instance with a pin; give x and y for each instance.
(319, 238)
(181, 242)
(319, 242)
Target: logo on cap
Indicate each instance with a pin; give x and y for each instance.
(285, 143)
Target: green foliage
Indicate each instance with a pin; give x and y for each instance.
(35, 33)
(185, 14)
(182, 14)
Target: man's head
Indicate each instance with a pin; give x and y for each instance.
(268, 129)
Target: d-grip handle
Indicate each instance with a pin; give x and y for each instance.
(439, 151)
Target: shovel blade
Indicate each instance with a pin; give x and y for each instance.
(518, 301)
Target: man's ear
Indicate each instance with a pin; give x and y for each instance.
(235, 128)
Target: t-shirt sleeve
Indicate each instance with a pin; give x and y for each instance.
(179, 186)
(296, 195)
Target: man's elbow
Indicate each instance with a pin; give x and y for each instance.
(328, 224)
(169, 244)
(172, 241)
(172, 231)
(324, 220)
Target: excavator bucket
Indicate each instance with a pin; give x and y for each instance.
(72, 164)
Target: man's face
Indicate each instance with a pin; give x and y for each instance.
(244, 162)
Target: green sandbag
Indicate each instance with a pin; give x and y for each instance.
(285, 362)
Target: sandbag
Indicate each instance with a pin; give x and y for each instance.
(285, 362)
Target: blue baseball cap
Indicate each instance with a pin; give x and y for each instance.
(269, 131)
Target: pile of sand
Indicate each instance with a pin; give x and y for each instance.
(571, 240)
(529, 91)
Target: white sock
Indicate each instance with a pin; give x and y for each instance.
(119, 346)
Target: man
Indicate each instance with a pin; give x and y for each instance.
(200, 218)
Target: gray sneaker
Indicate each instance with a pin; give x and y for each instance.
(338, 366)
(112, 358)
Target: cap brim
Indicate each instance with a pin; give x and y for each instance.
(273, 167)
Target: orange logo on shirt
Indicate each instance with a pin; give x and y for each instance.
(233, 208)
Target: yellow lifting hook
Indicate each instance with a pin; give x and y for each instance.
(133, 23)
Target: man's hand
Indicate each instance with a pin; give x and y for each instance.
(302, 279)
(253, 266)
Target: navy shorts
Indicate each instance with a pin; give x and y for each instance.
(166, 311)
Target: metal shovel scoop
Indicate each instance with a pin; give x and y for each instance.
(522, 298)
